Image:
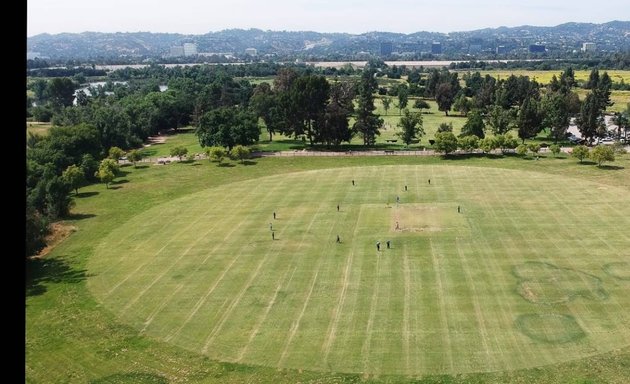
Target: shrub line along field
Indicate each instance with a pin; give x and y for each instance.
(179, 263)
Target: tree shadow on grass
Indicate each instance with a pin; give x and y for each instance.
(43, 271)
(249, 162)
(121, 181)
(114, 187)
(611, 167)
(587, 162)
(226, 165)
(80, 216)
(141, 166)
(466, 156)
(83, 195)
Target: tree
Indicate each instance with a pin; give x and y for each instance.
(227, 127)
(555, 149)
(74, 177)
(468, 143)
(421, 104)
(60, 90)
(488, 144)
(179, 151)
(474, 125)
(534, 148)
(505, 142)
(36, 231)
(590, 120)
(411, 127)
(240, 152)
(528, 119)
(216, 154)
(403, 97)
(580, 152)
(462, 104)
(367, 123)
(556, 115)
(263, 102)
(602, 153)
(116, 153)
(309, 94)
(335, 127)
(521, 149)
(387, 102)
(445, 142)
(89, 166)
(58, 203)
(107, 171)
(499, 119)
(444, 97)
(134, 156)
(445, 127)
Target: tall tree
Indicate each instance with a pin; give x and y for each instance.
(411, 127)
(474, 125)
(367, 123)
(263, 103)
(529, 119)
(227, 127)
(310, 93)
(556, 115)
(60, 90)
(403, 97)
(335, 127)
(500, 120)
(590, 119)
(462, 104)
(444, 96)
(387, 102)
(445, 142)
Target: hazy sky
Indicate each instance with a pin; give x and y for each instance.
(354, 16)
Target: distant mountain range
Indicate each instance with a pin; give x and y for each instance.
(566, 38)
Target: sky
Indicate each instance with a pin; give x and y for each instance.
(352, 16)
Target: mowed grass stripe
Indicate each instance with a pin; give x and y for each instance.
(442, 300)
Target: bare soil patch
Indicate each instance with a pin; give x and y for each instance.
(59, 231)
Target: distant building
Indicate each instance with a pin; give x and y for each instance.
(33, 55)
(386, 48)
(190, 49)
(589, 47)
(536, 48)
(251, 51)
(177, 51)
(501, 49)
(436, 48)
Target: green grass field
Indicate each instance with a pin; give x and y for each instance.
(172, 275)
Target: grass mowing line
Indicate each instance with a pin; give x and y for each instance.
(365, 348)
(183, 231)
(226, 314)
(475, 301)
(406, 311)
(296, 323)
(332, 328)
(504, 302)
(262, 319)
(159, 308)
(174, 263)
(442, 304)
(200, 302)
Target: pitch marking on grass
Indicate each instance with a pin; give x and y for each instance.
(296, 323)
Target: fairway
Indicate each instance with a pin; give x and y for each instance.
(533, 271)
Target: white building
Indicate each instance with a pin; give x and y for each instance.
(251, 51)
(589, 47)
(190, 49)
(177, 51)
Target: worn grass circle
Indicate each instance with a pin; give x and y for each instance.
(203, 272)
(550, 327)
